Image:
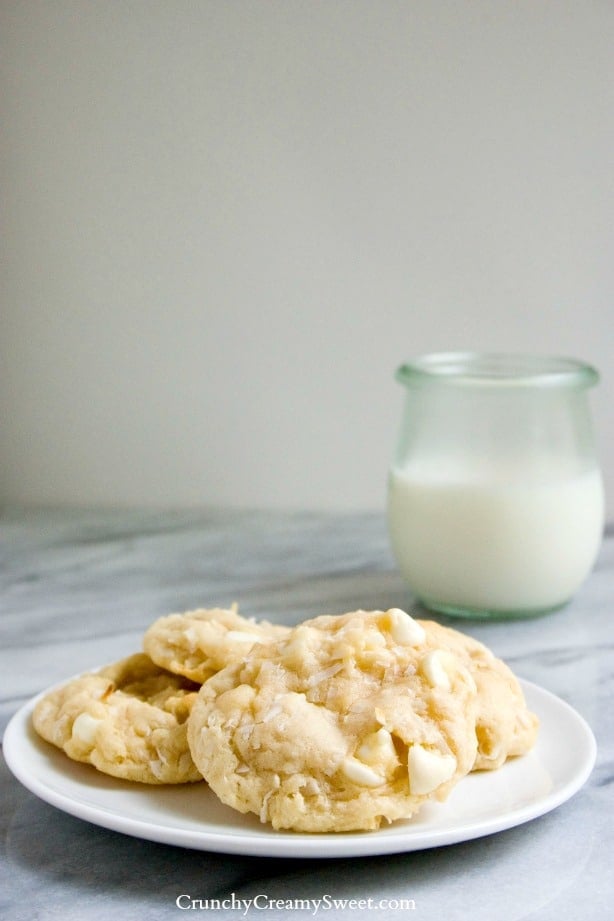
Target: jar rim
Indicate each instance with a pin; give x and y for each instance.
(498, 369)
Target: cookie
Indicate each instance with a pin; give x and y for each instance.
(199, 643)
(337, 727)
(505, 727)
(128, 720)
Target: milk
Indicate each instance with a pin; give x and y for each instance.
(492, 542)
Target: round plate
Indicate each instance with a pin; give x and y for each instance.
(191, 816)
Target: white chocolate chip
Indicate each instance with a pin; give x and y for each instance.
(311, 787)
(404, 629)
(360, 773)
(374, 640)
(437, 666)
(428, 769)
(84, 729)
(377, 748)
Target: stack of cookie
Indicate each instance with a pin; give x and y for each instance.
(337, 724)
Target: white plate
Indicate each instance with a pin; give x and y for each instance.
(191, 816)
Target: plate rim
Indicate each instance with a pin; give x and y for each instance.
(270, 843)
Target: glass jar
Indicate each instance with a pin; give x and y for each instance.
(495, 497)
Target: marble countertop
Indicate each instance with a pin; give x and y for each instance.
(77, 589)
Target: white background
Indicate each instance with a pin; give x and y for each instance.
(224, 224)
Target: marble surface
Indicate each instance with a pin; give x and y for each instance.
(78, 589)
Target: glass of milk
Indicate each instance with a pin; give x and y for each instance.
(495, 497)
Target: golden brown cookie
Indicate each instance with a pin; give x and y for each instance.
(198, 643)
(505, 727)
(336, 727)
(128, 720)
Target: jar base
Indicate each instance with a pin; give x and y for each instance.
(470, 613)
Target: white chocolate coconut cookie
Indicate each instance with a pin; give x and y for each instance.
(505, 727)
(336, 727)
(199, 643)
(128, 720)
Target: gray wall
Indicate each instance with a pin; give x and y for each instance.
(224, 224)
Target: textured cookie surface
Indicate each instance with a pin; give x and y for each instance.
(128, 720)
(336, 727)
(505, 727)
(199, 643)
